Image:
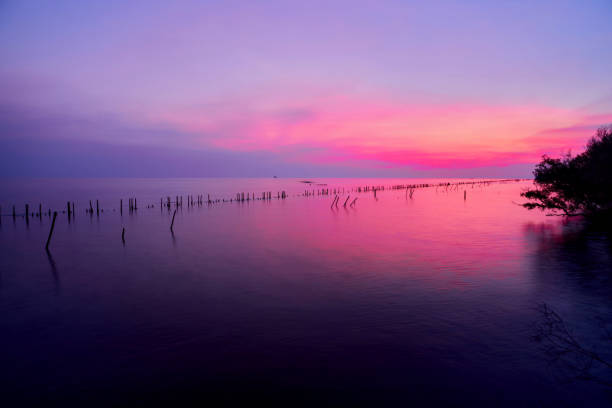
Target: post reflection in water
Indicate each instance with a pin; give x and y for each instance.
(54, 272)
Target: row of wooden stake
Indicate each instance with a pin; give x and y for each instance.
(241, 197)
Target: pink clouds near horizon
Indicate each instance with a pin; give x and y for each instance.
(392, 133)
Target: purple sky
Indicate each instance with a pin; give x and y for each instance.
(330, 88)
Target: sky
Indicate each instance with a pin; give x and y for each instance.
(299, 89)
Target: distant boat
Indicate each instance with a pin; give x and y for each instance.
(274, 177)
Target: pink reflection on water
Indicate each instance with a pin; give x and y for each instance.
(435, 235)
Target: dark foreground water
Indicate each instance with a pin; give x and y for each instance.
(392, 301)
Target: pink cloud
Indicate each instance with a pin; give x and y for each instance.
(333, 129)
(572, 137)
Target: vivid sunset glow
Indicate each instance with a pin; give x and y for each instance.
(346, 203)
(349, 88)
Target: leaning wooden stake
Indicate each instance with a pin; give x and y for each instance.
(51, 230)
(172, 225)
(334, 202)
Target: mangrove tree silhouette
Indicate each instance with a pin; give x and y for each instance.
(576, 185)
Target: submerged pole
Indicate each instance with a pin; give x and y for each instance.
(333, 202)
(51, 230)
(172, 224)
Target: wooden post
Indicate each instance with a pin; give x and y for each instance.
(123, 236)
(51, 230)
(172, 224)
(464, 195)
(97, 208)
(121, 206)
(13, 211)
(68, 207)
(39, 210)
(27, 210)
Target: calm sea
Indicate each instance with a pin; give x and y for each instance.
(394, 300)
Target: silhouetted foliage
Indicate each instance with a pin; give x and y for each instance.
(576, 185)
